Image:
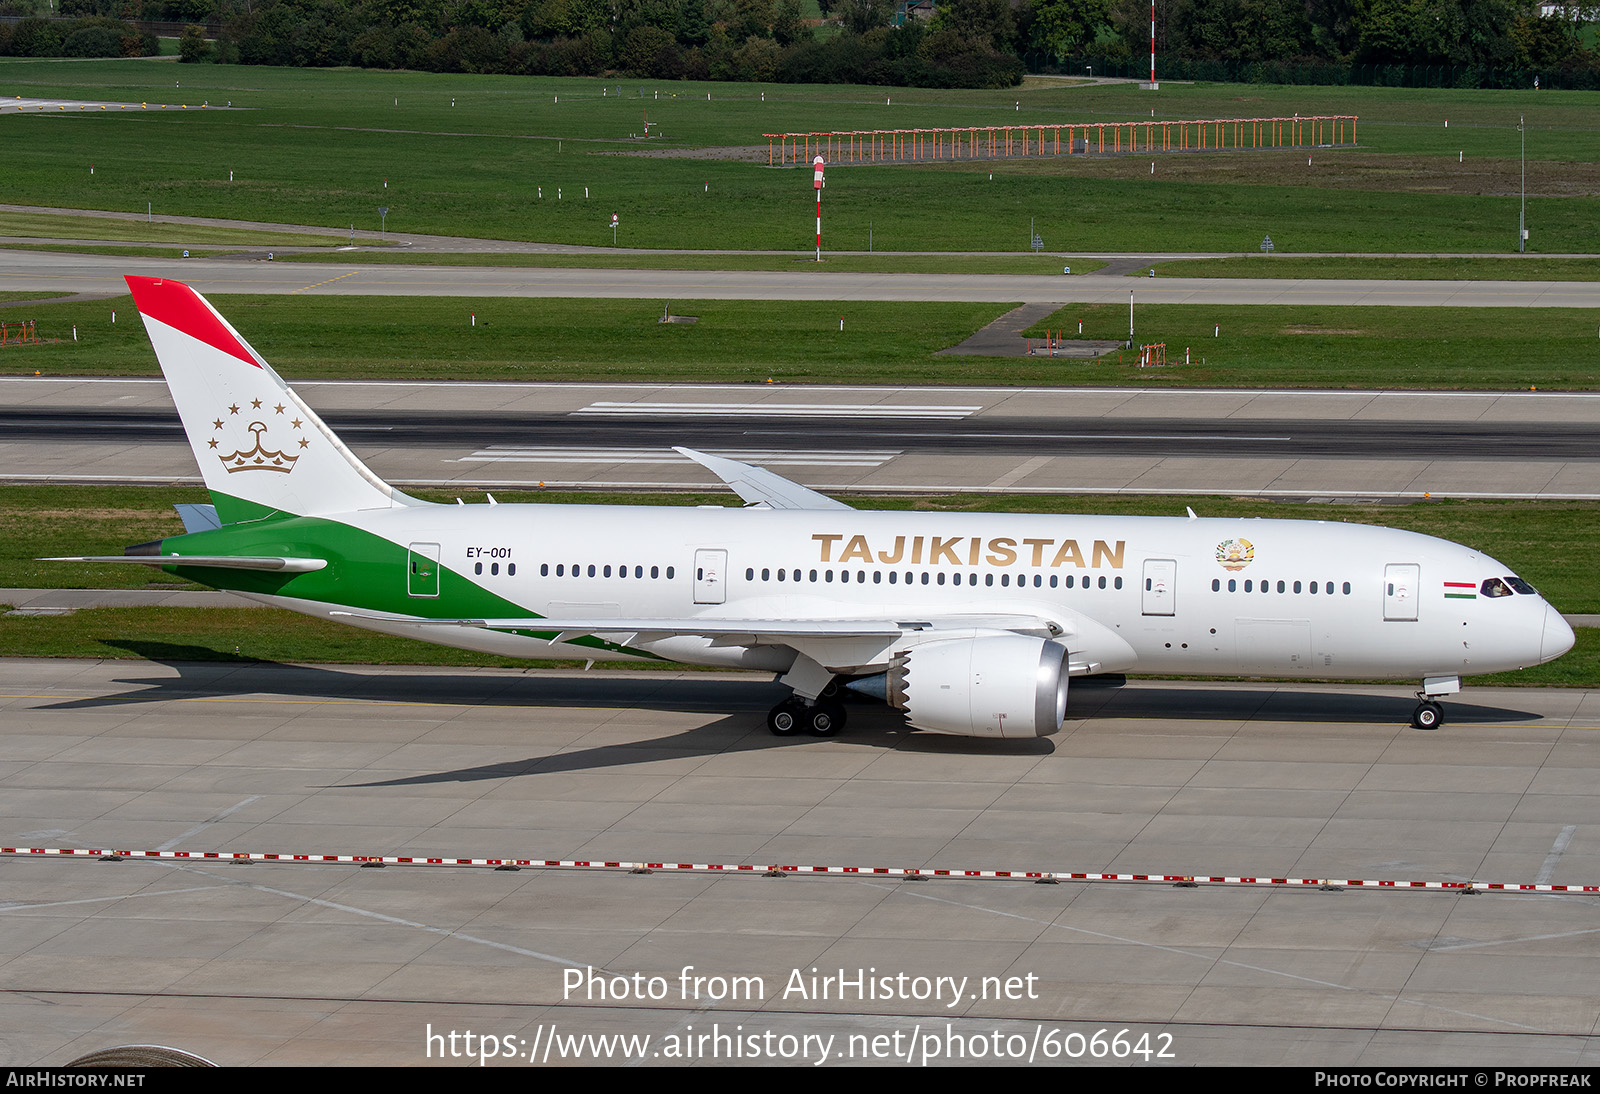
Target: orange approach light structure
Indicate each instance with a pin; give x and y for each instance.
(1098, 138)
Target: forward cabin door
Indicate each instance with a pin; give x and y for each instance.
(1402, 582)
(1159, 596)
(710, 576)
(422, 560)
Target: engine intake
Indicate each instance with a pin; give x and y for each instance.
(995, 686)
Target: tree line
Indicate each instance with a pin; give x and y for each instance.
(962, 43)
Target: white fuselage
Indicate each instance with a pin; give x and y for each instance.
(1157, 595)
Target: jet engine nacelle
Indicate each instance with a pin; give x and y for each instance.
(994, 686)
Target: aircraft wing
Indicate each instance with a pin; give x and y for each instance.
(759, 486)
(271, 563)
(723, 630)
(833, 642)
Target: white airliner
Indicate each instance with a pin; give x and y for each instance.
(971, 623)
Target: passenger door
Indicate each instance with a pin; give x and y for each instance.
(1402, 585)
(1160, 580)
(710, 576)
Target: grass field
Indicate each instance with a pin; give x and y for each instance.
(62, 226)
(468, 155)
(790, 262)
(309, 337)
(1548, 543)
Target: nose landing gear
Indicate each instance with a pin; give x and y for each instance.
(1428, 715)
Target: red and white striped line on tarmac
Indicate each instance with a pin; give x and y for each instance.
(748, 868)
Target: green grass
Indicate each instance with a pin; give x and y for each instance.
(796, 262)
(316, 146)
(734, 341)
(1508, 268)
(539, 339)
(127, 252)
(1363, 347)
(137, 230)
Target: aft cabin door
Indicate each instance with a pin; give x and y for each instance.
(1160, 575)
(422, 562)
(1401, 583)
(710, 574)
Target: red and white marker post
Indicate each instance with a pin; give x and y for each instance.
(816, 183)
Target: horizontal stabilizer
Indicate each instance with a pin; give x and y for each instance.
(198, 518)
(269, 563)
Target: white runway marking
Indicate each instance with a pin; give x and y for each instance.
(840, 457)
(784, 410)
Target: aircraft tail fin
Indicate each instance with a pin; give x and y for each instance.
(261, 449)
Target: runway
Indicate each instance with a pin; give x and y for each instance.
(36, 271)
(1349, 444)
(310, 964)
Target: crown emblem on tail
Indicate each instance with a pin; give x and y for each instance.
(257, 457)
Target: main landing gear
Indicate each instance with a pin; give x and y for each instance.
(823, 718)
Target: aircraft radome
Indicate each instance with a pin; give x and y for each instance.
(971, 623)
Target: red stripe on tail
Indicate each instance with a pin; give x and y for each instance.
(180, 307)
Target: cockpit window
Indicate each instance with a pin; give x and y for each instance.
(1521, 586)
(1495, 587)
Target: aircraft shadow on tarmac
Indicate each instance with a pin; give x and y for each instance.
(202, 672)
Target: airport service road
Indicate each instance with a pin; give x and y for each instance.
(1336, 444)
(313, 964)
(36, 271)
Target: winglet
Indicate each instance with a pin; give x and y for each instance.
(759, 486)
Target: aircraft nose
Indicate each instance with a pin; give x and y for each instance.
(1557, 638)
